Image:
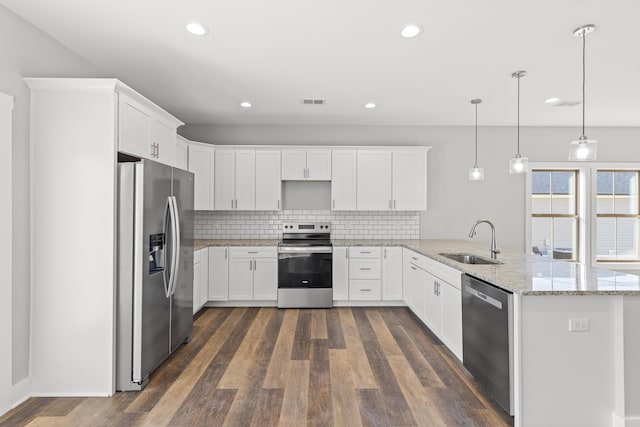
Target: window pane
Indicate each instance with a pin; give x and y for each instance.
(604, 198)
(617, 239)
(606, 238)
(563, 199)
(541, 189)
(541, 231)
(564, 238)
(626, 192)
(626, 236)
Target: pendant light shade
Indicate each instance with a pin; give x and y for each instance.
(583, 149)
(476, 173)
(518, 164)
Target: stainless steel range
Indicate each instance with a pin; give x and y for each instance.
(305, 258)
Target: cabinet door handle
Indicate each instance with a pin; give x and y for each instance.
(278, 204)
(255, 265)
(250, 264)
(225, 253)
(334, 203)
(157, 150)
(394, 204)
(346, 253)
(385, 253)
(389, 203)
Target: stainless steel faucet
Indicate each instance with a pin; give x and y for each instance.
(494, 250)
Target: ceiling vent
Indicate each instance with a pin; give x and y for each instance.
(312, 101)
(565, 103)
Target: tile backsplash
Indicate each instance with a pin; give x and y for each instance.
(345, 225)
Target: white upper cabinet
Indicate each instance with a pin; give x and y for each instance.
(374, 180)
(268, 182)
(301, 165)
(234, 180)
(201, 164)
(343, 181)
(245, 180)
(392, 179)
(410, 179)
(145, 133)
(182, 153)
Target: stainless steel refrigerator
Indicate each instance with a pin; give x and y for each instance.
(155, 268)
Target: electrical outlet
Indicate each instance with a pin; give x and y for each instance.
(578, 325)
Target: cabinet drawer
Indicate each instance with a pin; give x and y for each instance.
(254, 252)
(364, 269)
(364, 290)
(417, 259)
(364, 252)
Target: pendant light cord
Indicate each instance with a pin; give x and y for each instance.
(584, 52)
(475, 165)
(518, 155)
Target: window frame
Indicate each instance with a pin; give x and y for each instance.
(587, 204)
(580, 211)
(609, 264)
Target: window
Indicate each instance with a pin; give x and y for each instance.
(588, 213)
(554, 213)
(617, 216)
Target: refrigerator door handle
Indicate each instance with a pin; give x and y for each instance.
(167, 219)
(176, 243)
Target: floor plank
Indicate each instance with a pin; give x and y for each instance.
(269, 366)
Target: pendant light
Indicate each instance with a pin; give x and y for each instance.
(584, 148)
(476, 173)
(518, 164)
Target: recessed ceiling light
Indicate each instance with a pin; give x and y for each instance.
(245, 104)
(197, 29)
(411, 30)
(552, 100)
(369, 105)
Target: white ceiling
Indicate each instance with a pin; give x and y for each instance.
(349, 52)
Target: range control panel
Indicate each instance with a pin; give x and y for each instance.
(317, 227)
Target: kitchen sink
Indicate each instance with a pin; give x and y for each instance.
(470, 259)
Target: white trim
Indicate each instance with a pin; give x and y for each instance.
(369, 304)
(21, 391)
(618, 421)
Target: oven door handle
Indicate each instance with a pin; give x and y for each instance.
(305, 250)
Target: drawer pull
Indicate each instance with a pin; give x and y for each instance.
(365, 268)
(252, 252)
(365, 252)
(365, 290)
(414, 258)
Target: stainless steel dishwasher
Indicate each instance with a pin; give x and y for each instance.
(487, 338)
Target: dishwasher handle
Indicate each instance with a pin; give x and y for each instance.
(486, 298)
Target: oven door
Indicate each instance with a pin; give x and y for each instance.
(305, 270)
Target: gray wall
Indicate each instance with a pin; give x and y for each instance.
(27, 52)
(454, 202)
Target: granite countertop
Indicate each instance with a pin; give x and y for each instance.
(200, 244)
(517, 272)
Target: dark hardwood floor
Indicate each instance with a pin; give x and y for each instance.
(267, 367)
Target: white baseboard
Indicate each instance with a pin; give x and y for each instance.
(369, 304)
(241, 304)
(618, 421)
(70, 394)
(21, 391)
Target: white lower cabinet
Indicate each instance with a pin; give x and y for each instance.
(253, 273)
(218, 274)
(200, 278)
(392, 274)
(432, 292)
(340, 273)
